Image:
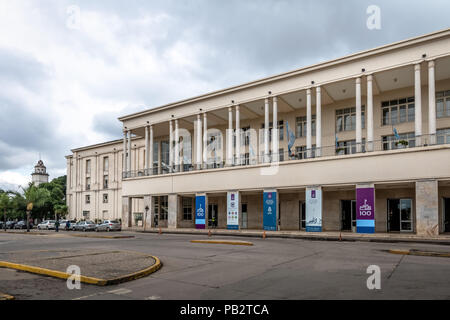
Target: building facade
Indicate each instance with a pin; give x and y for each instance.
(359, 144)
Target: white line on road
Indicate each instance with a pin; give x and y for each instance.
(120, 291)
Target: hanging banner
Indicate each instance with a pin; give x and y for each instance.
(200, 211)
(233, 210)
(365, 213)
(314, 209)
(270, 210)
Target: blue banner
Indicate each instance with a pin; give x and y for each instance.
(270, 211)
(200, 211)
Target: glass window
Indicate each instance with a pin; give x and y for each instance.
(407, 140)
(88, 183)
(187, 208)
(105, 163)
(88, 199)
(105, 198)
(88, 166)
(349, 147)
(346, 119)
(397, 111)
(301, 126)
(105, 181)
(443, 104)
(164, 207)
(302, 153)
(443, 136)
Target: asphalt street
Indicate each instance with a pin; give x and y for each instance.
(270, 269)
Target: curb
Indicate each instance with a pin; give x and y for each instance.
(413, 252)
(237, 243)
(317, 237)
(90, 280)
(4, 296)
(71, 235)
(100, 237)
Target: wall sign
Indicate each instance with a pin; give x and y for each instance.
(313, 209)
(270, 210)
(200, 211)
(365, 213)
(233, 210)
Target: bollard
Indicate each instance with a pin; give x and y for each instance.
(160, 232)
(209, 233)
(264, 235)
(340, 236)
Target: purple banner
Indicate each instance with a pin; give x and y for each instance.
(365, 210)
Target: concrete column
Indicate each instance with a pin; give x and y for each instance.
(238, 137)
(124, 155)
(129, 152)
(230, 137)
(308, 123)
(369, 113)
(275, 155)
(159, 157)
(151, 155)
(171, 145)
(147, 153)
(199, 142)
(126, 212)
(358, 115)
(177, 147)
(172, 219)
(150, 213)
(205, 140)
(418, 104)
(266, 130)
(318, 122)
(427, 204)
(431, 103)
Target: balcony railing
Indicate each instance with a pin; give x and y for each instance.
(341, 148)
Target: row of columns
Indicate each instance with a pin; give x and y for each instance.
(202, 133)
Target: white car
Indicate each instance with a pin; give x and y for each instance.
(46, 225)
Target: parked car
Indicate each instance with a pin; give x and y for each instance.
(85, 226)
(109, 225)
(10, 224)
(46, 225)
(22, 225)
(62, 224)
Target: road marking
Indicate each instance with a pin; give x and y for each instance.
(120, 291)
(153, 298)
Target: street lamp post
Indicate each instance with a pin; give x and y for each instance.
(145, 218)
(29, 208)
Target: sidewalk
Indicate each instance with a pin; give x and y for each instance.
(324, 236)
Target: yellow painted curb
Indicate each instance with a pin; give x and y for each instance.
(91, 280)
(4, 296)
(421, 253)
(237, 243)
(395, 251)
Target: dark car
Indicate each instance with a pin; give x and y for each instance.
(22, 225)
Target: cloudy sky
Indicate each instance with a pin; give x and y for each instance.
(68, 69)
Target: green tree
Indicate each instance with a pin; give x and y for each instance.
(61, 210)
(40, 198)
(5, 202)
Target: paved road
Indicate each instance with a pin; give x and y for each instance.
(271, 269)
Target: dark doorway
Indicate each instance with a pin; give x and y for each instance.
(446, 214)
(212, 215)
(302, 215)
(244, 216)
(348, 215)
(399, 215)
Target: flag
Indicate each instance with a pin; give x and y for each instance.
(291, 138)
(396, 134)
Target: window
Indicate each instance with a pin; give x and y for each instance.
(349, 147)
(88, 166)
(86, 215)
(443, 136)
(346, 119)
(301, 126)
(302, 153)
(280, 130)
(164, 207)
(105, 181)
(406, 140)
(443, 104)
(88, 183)
(397, 111)
(105, 198)
(105, 164)
(88, 199)
(187, 208)
(281, 154)
(138, 221)
(246, 134)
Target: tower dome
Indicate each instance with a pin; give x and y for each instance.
(40, 174)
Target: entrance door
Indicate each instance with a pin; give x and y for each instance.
(212, 215)
(244, 216)
(302, 215)
(348, 215)
(446, 214)
(400, 215)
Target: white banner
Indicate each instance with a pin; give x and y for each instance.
(233, 210)
(314, 209)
